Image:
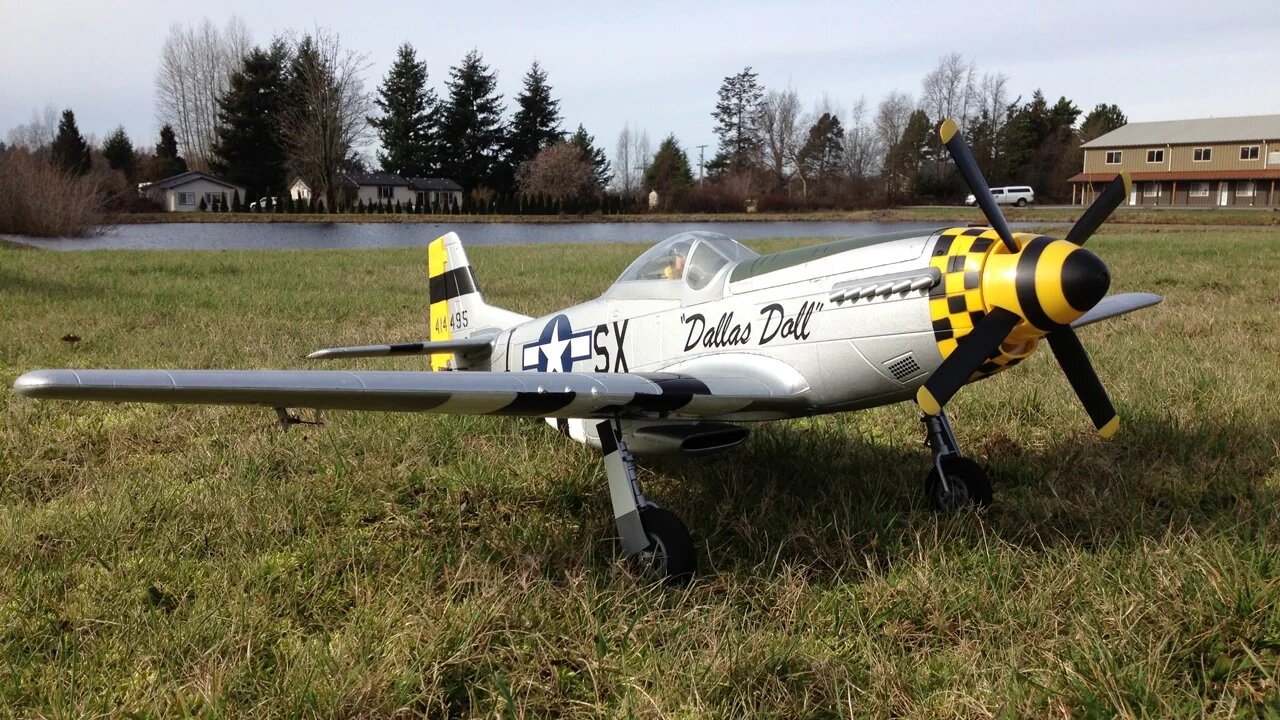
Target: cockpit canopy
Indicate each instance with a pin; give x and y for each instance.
(694, 257)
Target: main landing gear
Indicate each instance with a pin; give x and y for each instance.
(655, 537)
(956, 481)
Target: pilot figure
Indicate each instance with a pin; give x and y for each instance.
(675, 266)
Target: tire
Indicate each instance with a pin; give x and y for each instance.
(968, 483)
(671, 555)
(1022, 202)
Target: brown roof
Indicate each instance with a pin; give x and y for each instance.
(1182, 175)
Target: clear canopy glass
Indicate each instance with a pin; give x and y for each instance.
(695, 257)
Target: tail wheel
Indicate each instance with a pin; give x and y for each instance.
(967, 486)
(670, 556)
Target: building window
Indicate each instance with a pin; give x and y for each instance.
(215, 199)
(1248, 152)
(1155, 156)
(1244, 188)
(1199, 189)
(386, 192)
(186, 198)
(1151, 190)
(1114, 157)
(1202, 155)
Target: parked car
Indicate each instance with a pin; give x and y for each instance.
(263, 203)
(1020, 195)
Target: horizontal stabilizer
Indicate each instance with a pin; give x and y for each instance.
(1113, 305)
(473, 346)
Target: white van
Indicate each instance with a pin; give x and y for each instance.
(1020, 195)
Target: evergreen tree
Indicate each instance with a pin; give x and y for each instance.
(822, 154)
(669, 172)
(737, 117)
(118, 151)
(1101, 120)
(902, 162)
(168, 162)
(235, 202)
(536, 125)
(409, 146)
(601, 168)
(1040, 146)
(472, 133)
(70, 151)
(247, 149)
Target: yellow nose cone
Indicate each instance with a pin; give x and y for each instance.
(1049, 282)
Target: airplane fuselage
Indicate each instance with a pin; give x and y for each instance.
(779, 322)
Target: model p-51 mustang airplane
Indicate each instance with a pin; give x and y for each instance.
(700, 334)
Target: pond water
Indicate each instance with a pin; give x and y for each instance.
(315, 236)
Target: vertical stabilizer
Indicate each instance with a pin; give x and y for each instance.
(458, 310)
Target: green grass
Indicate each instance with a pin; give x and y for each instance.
(160, 561)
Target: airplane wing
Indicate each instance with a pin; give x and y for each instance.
(529, 394)
(1113, 305)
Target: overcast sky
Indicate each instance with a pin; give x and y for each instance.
(658, 65)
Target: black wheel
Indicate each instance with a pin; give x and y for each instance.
(967, 486)
(670, 555)
(1022, 202)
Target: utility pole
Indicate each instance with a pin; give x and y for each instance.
(701, 162)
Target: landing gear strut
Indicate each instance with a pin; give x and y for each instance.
(956, 481)
(656, 537)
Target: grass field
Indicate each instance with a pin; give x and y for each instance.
(160, 561)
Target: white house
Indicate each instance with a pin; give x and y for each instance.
(387, 188)
(379, 188)
(438, 192)
(184, 191)
(300, 190)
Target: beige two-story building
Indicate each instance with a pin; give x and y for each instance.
(1223, 162)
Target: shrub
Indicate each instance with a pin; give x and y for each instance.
(40, 200)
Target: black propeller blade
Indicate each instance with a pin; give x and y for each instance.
(1112, 195)
(950, 135)
(1079, 371)
(974, 349)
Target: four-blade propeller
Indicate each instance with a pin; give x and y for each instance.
(1034, 290)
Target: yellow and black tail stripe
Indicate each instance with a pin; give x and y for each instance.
(444, 284)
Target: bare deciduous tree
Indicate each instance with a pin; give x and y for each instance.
(949, 91)
(891, 121)
(642, 151)
(37, 135)
(781, 130)
(623, 163)
(196, 64)
(560, 172)
(863, 154)
(325, 117)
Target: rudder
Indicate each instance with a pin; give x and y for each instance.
(457, 309)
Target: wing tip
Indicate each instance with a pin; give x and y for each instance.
(36, 383)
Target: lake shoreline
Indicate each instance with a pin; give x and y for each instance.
(939, 213)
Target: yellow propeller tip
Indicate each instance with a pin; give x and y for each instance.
(1128, 183)
(948, 130)
(927, 402)
(1110, 428)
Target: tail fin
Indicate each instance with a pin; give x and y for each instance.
(458, 310)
